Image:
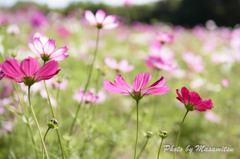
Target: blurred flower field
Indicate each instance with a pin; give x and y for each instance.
(90, 121)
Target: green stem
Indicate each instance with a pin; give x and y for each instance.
(135, 151)
(36, 121)
(24, 110)
(143, 148)
(52, 112)
(87, 84)
(159, 150)
(179, 133)
(46, 134)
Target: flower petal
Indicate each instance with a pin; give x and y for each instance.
(194, 98)
(12, 70)
(112, 63)
(32, 47)
(29, 66)
(49, 47)
(110, 26)
(141, 81)
(59, 54)
(47, 71)
(203, 106)
(185, 95)
(90, 17)
(110, 19)
(100, 16)
(157, 88)
(38, 45)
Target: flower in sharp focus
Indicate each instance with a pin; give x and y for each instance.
(138, 90)
(193, 101)
(101, 20)
(122, 66)
(29, 71)
(47, 50)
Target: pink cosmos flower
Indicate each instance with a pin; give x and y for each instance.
(29, 72)
(38, 19)
(13, 29)
(128, 3)
(212, 117)
(225, 82)
(57, 83)
(138, 90)
(101, 20)
(47, 50)
(85, 97)
(2, 74)
(164, 38)
(122, 66)
(194, 62)
(192, 100)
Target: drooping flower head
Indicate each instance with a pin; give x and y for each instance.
(138, 90)
(101, 20)
(47, 50)
(193, 101)
(2, 74)
(29, 71)
(122, 66)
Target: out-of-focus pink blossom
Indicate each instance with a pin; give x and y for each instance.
(47, 51)
(45, 96)
(164, 38)
(225, 82)
(29, 72)
(122, 66)
(101, 20)
(3, 19)
(85, 97)
(128, 3)
(7, 126)
(63, 32)
(194, 61)
(212, 117)
(13, 29)
(38, 19)
(57, 83)
(138, 90)
(193, 101)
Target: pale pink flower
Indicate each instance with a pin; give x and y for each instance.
(164, 38)
(43, 93)
(128, 3)
(194, 61)
(101, 20)
(122, 66)
(57, 83)
(13, 29)
(47, 51)
(138, 90)
(7, 126)
(225, 82)
(212, 117)
(85, 97)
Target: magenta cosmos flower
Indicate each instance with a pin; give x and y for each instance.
(193, 101)
(138, 90)
(47, 51)
(29, 72)
(2, 74)
(101, 20)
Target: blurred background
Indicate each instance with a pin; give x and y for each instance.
(178, 12)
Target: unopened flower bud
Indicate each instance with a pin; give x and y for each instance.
(14, 54)
(148, 134)
(59, 80)
(163, 134)
(53, 123)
